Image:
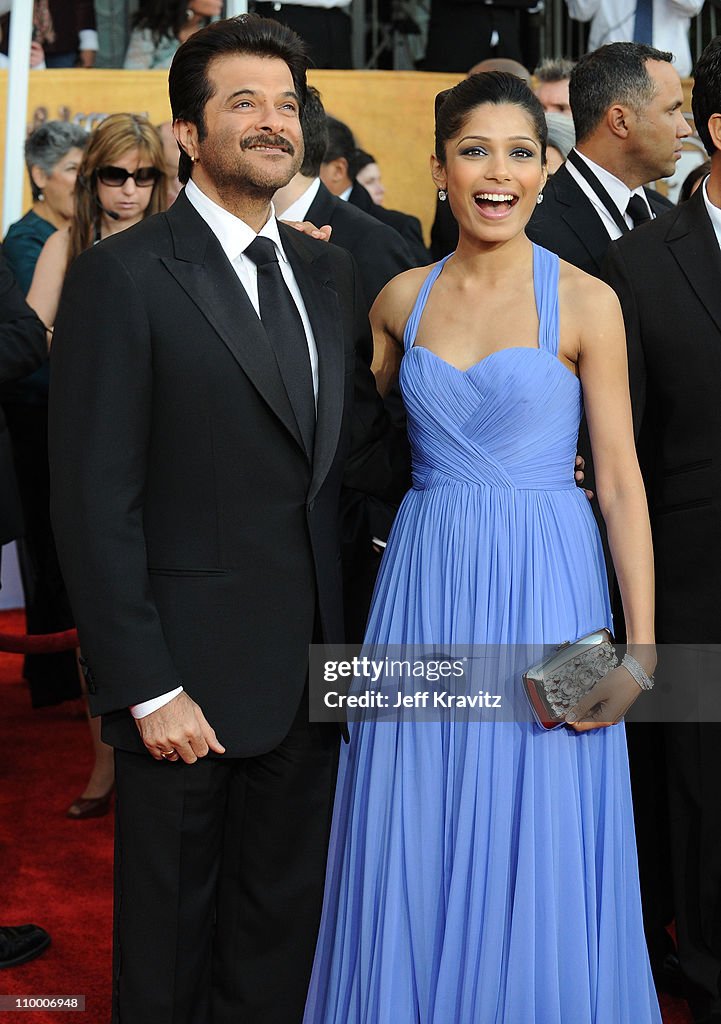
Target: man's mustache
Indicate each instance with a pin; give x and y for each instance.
(268, 140)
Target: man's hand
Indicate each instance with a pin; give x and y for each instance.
(306, 228)
(579, 475)
(181, 727)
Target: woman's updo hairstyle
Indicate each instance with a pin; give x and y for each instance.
(453, 106)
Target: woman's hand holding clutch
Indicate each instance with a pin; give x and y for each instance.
(609, 700)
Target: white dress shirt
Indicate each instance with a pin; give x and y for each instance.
(713, 212)
(299, 209)
(235, 236)
(612, 21)
(617, 190)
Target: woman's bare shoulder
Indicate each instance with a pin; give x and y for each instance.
(57, 245)
(583, 295)
(395, 301)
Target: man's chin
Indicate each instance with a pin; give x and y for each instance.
(272, 182)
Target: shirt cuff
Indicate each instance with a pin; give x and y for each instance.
(147, 707)
(88, 39)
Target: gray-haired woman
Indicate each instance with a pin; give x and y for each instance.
(52, 153)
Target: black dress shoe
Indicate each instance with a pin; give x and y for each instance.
(21, 943)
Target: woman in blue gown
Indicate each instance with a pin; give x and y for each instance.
(485, 872)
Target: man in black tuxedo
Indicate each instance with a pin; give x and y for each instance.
(22, 349)
(209, 375)
(626, 100)
(667, 277)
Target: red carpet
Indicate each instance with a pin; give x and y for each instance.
(53, 872)
(58, 873)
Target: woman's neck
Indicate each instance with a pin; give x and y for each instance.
(45, 212)
(112, 227)
(491, 261)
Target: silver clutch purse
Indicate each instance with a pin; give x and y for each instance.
(558, 682)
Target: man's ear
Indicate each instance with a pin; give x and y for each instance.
(619, 120)
(438, 172)
(714, 127)
(340, 169)
(186, 135)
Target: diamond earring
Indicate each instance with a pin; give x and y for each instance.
(442, 195)
(539, 198)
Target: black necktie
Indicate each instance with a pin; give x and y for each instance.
(637, 210)
(284, 327)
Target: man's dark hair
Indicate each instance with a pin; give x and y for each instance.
(615, 73)
(554, 69)
(360, 160)
(454, 105)
(340, 141)
(706, 95)
(315, 134)
(188, 82)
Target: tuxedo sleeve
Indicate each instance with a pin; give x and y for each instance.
(100, 420)
(22, 336)
(382, 256)
(617, 274)
(378, 463)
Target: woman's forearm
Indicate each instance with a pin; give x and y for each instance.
(625, 513)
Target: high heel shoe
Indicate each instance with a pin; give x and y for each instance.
(90, 806)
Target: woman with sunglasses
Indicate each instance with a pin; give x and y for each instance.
(121, 180)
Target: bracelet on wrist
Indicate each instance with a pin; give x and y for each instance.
(644, 680)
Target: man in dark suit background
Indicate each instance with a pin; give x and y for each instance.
(335, 175)
(667, 277)
(379, 251)
(23, 349)
(381, 254)
(626, 100)
(209, 375)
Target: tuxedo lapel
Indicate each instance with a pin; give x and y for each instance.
(321, 209)
(580, 216)
(202, 270)
(312, 272)
(692, 241)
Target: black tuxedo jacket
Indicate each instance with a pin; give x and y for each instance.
(22, 349)
(667, 275)
(198, 541)
(408, 227)
(567, 223)
(379, 251)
